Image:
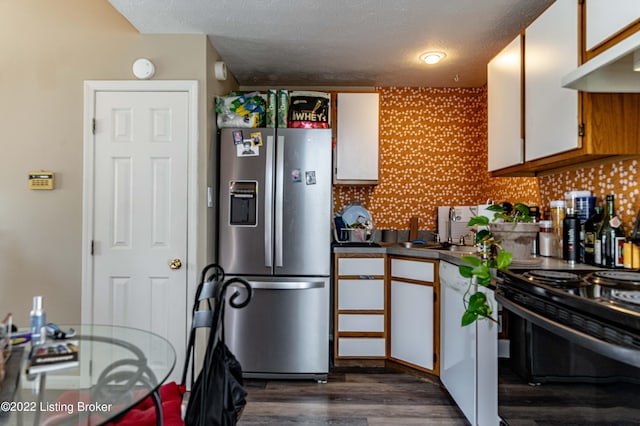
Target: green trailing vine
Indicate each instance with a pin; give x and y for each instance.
(479, 269)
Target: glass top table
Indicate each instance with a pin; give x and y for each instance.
(119, 367)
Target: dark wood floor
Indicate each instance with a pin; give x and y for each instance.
(351, 399)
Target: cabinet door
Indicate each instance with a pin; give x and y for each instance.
(551, 112)
(361, 266)
(504, 86)
(605, 18)
(357, 138)
(413, 270)
(360, 294)
(412, 327)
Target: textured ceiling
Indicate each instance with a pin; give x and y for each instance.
(338, 42)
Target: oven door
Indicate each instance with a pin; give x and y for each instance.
(572, 376)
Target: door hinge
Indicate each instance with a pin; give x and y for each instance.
(92, 247)
(435, 297)
(581, 130)
(435, 357)
(93, 126)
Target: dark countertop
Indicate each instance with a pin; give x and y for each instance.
(456, 257)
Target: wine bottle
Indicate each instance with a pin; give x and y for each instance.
(591, 227)
(611, 236)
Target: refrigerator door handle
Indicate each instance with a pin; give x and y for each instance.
(268, 206)
(279, 200)
(286, 285)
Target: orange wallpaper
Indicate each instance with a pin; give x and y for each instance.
(619, 178)
(433, 151)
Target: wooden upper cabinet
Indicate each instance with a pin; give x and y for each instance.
(606, 22)
(356, 161)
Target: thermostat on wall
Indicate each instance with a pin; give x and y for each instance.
(41, 180)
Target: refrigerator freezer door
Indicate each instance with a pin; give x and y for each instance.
(246, 223)
(303, 202)
(284, 330)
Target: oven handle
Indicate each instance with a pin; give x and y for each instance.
(619, 353)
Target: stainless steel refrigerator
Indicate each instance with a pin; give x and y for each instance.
(274, 230)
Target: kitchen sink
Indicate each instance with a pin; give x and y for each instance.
(455, 248)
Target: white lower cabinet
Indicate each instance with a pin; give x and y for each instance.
(360, 321)
(412, 323)
(413, 320)
(469, 355)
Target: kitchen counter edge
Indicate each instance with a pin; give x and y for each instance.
(456, 259)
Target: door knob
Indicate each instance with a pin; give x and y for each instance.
(175, 264)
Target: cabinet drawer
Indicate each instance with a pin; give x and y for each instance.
(361, 322)
(361, 346)
(361, 294)
(414, 270)
(366, 266)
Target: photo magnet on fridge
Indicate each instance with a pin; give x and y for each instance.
(247, 149)
(310, 177)
(237, 137)
(296, 176)
(256, 137)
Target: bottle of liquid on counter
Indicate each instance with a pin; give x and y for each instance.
(591, 227)
(611, 236)
(38, 321)
(547, 239)
(571, 237)
(557, 215)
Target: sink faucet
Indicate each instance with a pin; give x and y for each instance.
(452, 218)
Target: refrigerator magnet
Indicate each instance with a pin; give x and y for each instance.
(296, 176)
(237, 137)
(310, 177)
(247, 149)
(256, 137)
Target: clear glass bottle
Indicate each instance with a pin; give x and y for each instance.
(611, 236)
(591, 227)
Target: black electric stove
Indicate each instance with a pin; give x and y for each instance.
(576, 333)
(579, 297)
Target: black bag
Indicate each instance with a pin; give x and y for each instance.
(218, 395)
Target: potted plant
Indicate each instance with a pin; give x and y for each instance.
(495, 255)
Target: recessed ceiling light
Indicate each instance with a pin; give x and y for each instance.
(432, 57)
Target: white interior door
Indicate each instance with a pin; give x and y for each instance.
(140, 213)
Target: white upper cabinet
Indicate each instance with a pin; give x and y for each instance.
(504, 85)
(357, 138)
(551, 112)
(606, 18)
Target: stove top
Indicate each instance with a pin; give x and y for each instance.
(609, 295)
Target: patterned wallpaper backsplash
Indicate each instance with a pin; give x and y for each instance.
(433, 152)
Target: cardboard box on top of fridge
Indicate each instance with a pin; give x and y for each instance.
(452, 223)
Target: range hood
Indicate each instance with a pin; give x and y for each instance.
(611, 71)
